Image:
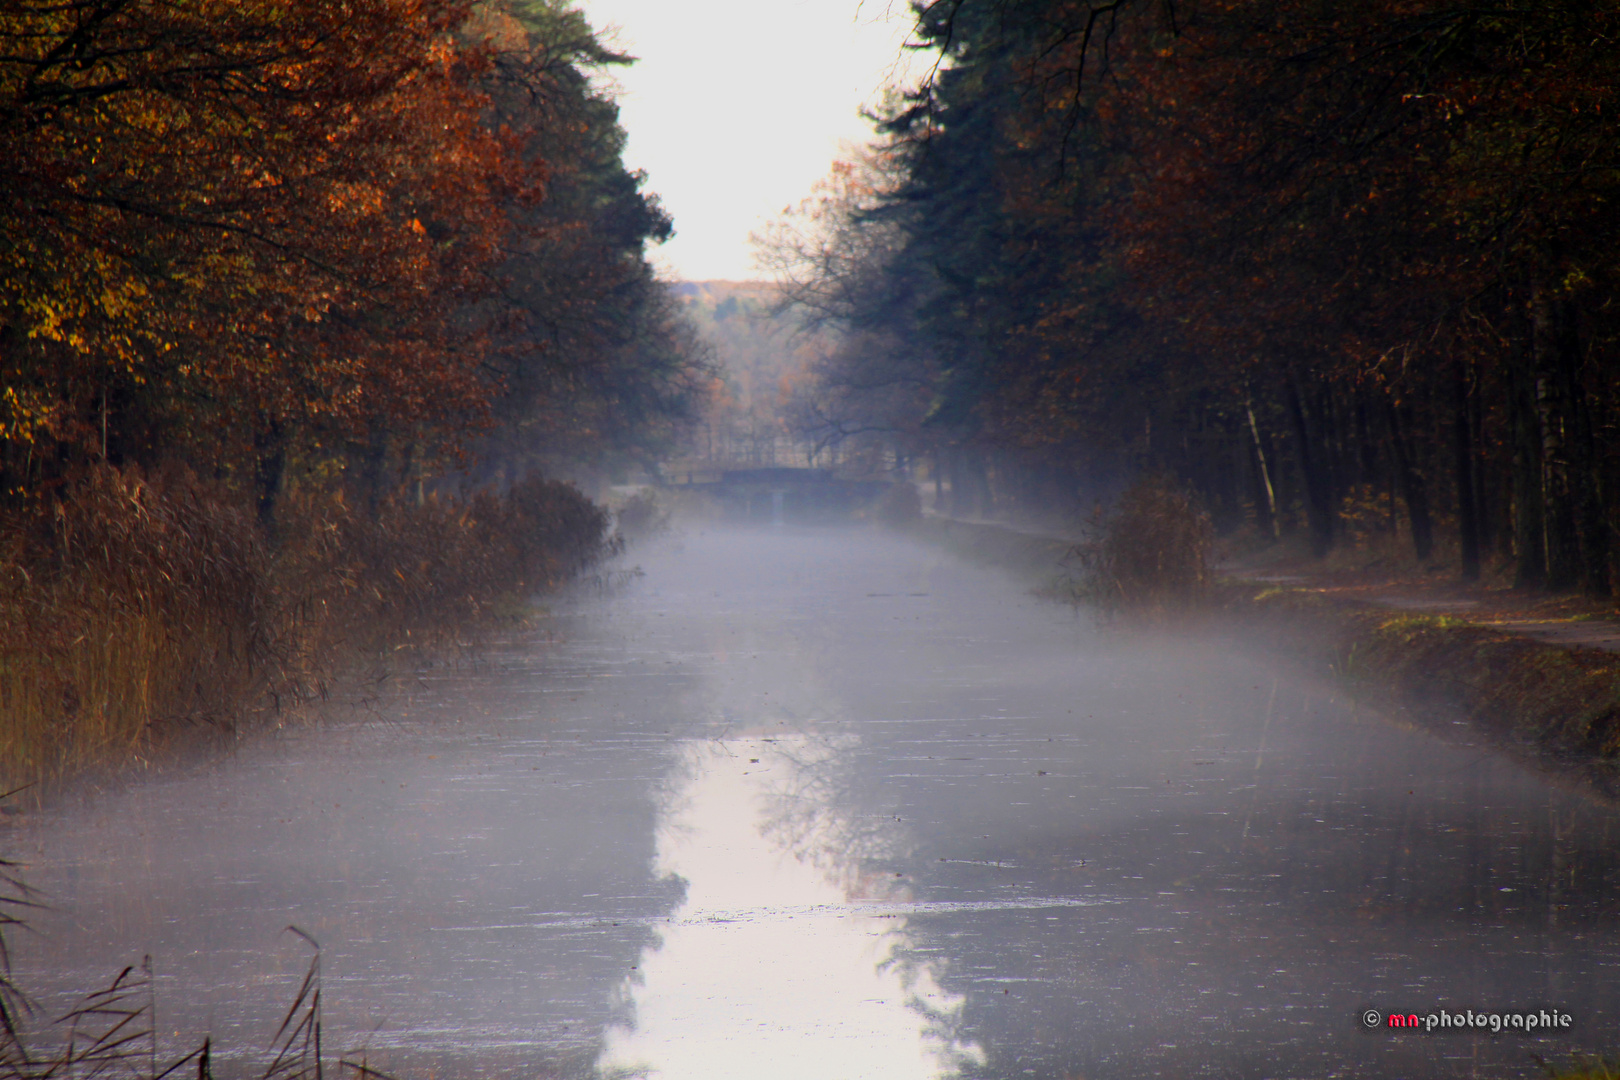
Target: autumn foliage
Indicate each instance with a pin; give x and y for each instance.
(1348, 270)
(230, 220)
(294, 295)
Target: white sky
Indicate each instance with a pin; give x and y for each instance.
(738, 106)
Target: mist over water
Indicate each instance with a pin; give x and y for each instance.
(830, 804)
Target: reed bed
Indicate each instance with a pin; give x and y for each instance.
(141, 610)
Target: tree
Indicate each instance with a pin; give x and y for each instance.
(1300, 255)
(230, 223)
(593, 359)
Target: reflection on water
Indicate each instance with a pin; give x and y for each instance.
(769, 968)
(980, 839)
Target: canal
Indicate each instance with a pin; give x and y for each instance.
(829, 804)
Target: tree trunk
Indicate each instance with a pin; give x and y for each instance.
(371, 469)
(1586, 480)
(1563, 544)
(1486, 505)
(1463, 445)
(1367, 469)
(1595, 548)
(270, 462)
(1529, 531)
(1413, 490)
(1265, 491)
(1318, 487)
(1552, 410)
(984, 500)
(959, 494)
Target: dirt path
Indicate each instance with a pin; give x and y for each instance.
(1570, 621)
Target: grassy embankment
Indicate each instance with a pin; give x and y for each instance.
(143, 613)
(1553, 707)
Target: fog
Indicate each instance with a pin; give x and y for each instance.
(827, 803)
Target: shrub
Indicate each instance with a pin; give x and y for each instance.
(442, 564)
(1150, 553)
(642, 515)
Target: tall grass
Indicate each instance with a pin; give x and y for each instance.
(137, 604)
(140, 609)
(423, 571)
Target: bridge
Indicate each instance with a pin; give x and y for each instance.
(788, 496)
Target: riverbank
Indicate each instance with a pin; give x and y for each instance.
(1520, 676)
(1554, 707)
(142, 614)
(1041, 559)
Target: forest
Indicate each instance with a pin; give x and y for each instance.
(302, 307)
(760, 407)
(1346, 271)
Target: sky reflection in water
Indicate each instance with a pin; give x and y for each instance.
(767, 969)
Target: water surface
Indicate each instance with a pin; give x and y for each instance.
(828, 804)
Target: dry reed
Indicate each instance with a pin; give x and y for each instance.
(139, 609)
(110, 1033)
(141, 602)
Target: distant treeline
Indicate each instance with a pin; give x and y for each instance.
(297, 298)
(1344, 268)
(759, 361)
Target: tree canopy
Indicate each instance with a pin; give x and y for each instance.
(1344, 269)
(279, 233)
